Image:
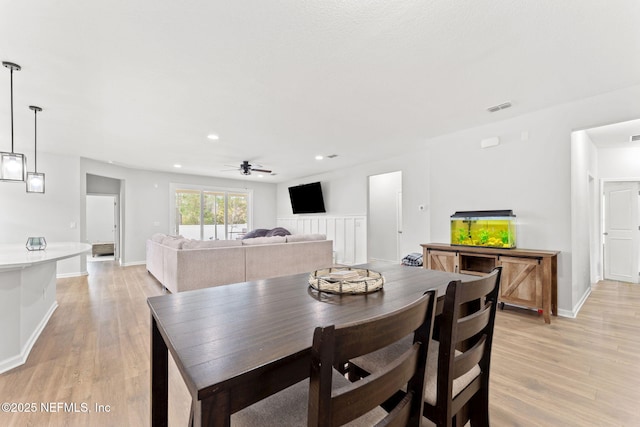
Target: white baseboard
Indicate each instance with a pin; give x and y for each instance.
(76, 274)
(574, 313)
(130, 264)
(15, 361)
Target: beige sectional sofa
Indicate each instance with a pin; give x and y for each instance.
(182, 264)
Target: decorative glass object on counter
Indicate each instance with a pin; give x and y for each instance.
(36, 243)
(495, 229)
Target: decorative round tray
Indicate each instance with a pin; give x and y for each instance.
(346, 280)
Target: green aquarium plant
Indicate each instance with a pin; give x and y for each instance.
(505, 236)
(483, 236)
(462, 235)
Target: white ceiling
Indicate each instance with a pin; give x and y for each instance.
(142, 82)
(615, 135)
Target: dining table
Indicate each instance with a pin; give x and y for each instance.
(237, 344)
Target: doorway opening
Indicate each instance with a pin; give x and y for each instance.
(102, 228)
(605, 186)
(103, 216)
(385, 217)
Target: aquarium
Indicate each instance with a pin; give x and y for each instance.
(493, 229)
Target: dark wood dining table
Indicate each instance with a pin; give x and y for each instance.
(237, 344)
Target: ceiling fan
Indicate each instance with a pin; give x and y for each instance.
(246, 168)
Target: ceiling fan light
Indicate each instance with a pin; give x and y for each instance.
(12, 167)
(35, 182)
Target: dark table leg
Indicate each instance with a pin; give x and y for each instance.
(159, 378)
(212, 411)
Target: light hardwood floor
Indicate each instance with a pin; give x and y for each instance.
(95, 351)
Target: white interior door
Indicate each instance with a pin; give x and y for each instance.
(621, 231)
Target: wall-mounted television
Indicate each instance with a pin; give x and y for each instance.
(307, 198)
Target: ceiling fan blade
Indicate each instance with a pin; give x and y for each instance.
(260, 170)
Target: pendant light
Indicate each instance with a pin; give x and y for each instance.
(35, 180)
(12, 165)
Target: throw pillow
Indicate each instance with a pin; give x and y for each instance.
(278, 231)
(258, 232)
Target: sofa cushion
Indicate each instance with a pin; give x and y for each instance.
(305, 237)
(264, 240)
(278, 231)
(258, 232)
(175, 242)
(203, 244)
(158, 237)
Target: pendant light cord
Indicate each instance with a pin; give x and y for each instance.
(35, 141)
(11, 70)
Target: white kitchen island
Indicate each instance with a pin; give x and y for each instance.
(28, 296)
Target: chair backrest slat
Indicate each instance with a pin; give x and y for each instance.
(480, 288)
(369, 335)
(369, 392)
(333, 345)
(471, 325)
(467, 360)
(399, 416)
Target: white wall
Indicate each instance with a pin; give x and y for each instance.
(621, 163)
(531, 177)
(583, 169)
(52, 214)
(144, 200)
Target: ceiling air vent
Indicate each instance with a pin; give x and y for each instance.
(499, 107)
(635, 138)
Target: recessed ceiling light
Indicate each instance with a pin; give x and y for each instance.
(260, 176)
(213, 137)
(319, 157)
(178, 166)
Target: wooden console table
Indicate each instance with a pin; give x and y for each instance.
(529, 277)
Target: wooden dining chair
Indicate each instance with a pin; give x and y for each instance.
(458, 364)
(327, 398)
